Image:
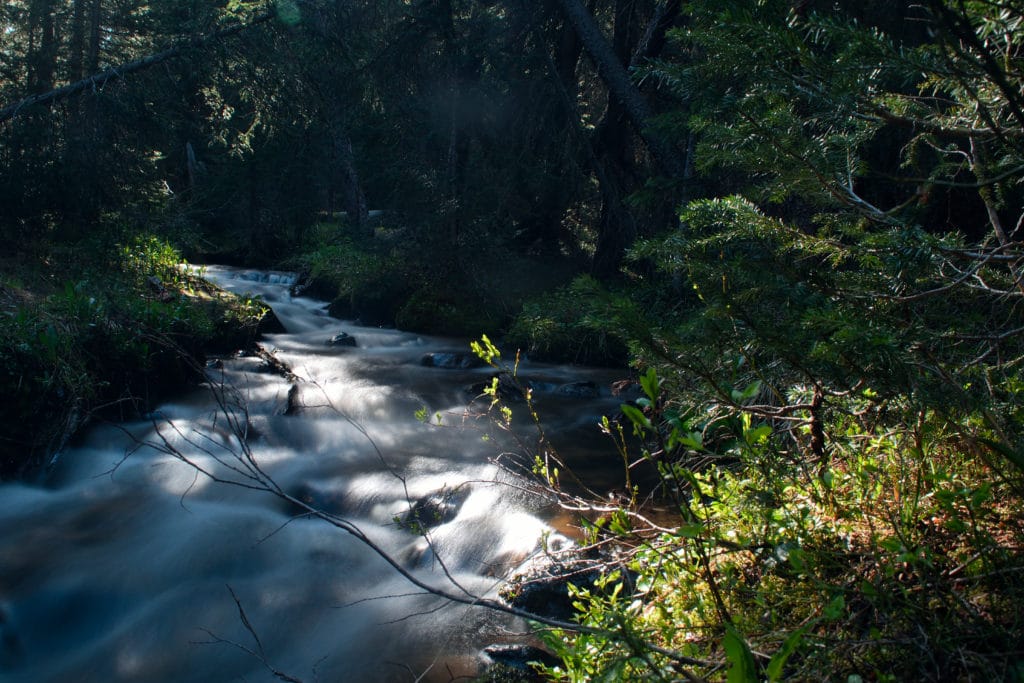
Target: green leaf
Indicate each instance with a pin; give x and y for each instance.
(485, 350)
(757, 434)
(834, 609)
(748, 393)
(692, 440)
(778, 660)
(650, 384)
(742, 668)
(796, 560)
(690, 530)
(636, 416)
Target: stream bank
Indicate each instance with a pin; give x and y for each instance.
(81, 342)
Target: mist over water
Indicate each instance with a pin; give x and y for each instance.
(128, 564)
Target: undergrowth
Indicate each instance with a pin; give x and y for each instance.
(100, 329)
(898, 560)
(897, 557)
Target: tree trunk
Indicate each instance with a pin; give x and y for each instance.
(76, 58)
(655, 35)
(611, 70)
(352, 197)
(95, 29)
(614, 144)
(44, 60)
(553, 123)
(454, 155)
(617, 230)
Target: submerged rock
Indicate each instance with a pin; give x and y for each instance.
(318, 497)
(585, 389)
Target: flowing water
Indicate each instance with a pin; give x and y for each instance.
(128, 563)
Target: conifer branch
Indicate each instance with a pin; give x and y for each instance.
(100, 80)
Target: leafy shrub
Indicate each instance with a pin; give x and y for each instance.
(571, 325)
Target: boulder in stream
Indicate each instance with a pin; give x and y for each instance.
(584, 389)
(512, 662)
(541, 587)
(342, 339)
(508, 388)
(270, 324)
(433, 509)
(451, 360)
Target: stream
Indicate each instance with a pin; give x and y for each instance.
(130, 563)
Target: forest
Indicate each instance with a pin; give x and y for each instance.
(798, 225)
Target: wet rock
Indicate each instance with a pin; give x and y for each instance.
(627, 390)
(306, 285)
(294, 405)
(270, 324)
(342, 339)
(579, 390)
(509, 389)
(273, 364)
(371, 304)
(542, 386)
(434, 509)
(302, 283)
(542, 587)
(518, 657)
(451, 360)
